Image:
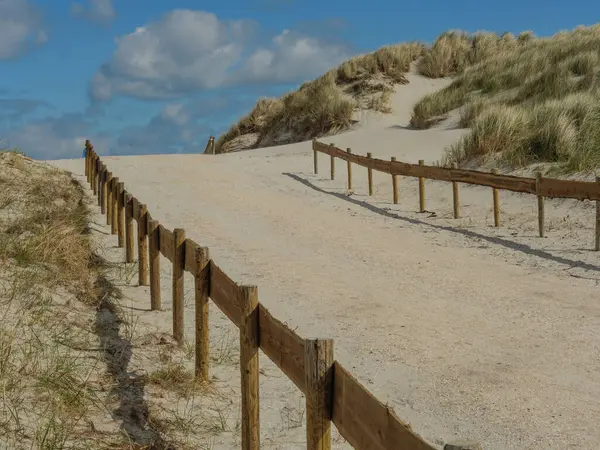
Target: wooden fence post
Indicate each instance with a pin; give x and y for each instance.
(92, 174)
(318, 364)
(104, 189)
(202, 288)
(349, 152)
(121, 214)
(455, 198)
(87, 159)
(128, 201)
(90, 161)
(332, 162)
(597, 247)
(540, 199)
(95, 174)
(178, 271)
(100, 177)
(109, 201)
(370, 174)
(114, 229)
(90, 166)
(154, 238)
(421, 190)
(315, 158)
(249, 344)
(143, 245)
(496, 203)
(100, 183)
(395, 184)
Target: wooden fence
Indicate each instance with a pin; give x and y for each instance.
(332, 393)
(539, 186)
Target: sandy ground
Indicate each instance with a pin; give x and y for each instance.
(468, 331)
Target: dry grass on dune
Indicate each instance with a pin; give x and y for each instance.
(77, 368)
(45, 270)
(526, 99)
(324, 105)
(535, 100)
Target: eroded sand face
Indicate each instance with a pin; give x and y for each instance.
(466, 330)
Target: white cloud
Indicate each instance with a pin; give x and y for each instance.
(173, 129)
(95, 10)
(290, 57)
(53, 137)
(187, 51)
(177, 127)
(20, 28)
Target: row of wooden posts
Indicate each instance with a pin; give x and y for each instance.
(455, 193)
(332, 394)
(119, 207)
(210, 146)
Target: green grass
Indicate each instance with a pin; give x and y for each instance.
(563, 131)
(534, 100)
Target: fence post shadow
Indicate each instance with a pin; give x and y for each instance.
(523, 248)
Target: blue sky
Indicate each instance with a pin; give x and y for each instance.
(149, 76)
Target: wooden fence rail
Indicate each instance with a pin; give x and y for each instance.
(539, 186)
(332, 394)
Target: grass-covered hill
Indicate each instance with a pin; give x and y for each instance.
(325, 105)
(525, 99)
(532, 100)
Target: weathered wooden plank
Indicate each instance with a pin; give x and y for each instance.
(166, 243)
(190, 256)
(506, 182)
(580, 190)
(498, 181)
(154, 263)
(249, 367)
(318, 365)
(225, 293)
(178, 283)
(283, 346)
(365, 422)
(143, 246)
(135, 205)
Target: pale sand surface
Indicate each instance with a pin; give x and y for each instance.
(466, 330)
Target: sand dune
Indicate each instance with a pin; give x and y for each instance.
(466, 330)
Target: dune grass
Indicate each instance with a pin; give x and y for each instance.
(563, 131)
(534, 100)
(519, 82)
(325, 105)
(45, 290)
(73, 358)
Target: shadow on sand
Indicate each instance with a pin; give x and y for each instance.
(470, 234)
(128, 388)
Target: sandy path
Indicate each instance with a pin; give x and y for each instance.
(466, 330)
(459, 341)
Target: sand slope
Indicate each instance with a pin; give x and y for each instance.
(466, 330)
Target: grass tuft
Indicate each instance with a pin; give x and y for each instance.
(529, 100)
(325, 105)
